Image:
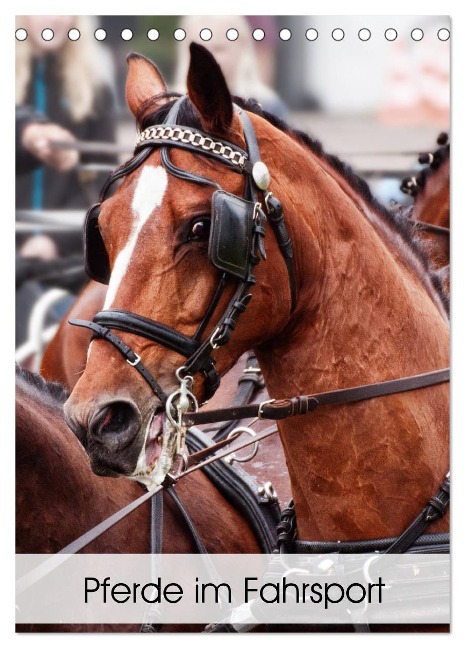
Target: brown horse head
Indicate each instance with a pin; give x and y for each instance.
(155, 232)
(194, 264)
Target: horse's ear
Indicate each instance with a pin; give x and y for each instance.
(144, 82)
(207, 89)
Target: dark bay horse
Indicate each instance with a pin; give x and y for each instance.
(58, 498)
(356, 303)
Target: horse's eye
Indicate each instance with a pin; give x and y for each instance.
(200, 230)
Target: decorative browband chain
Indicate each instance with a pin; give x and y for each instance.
(194, 140)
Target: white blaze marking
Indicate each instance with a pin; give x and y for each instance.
(148, 196)
(88, 350)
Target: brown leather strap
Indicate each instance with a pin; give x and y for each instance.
(277, 410)
(128, 354)
(249, 383)
(434, 509)
(200, 455)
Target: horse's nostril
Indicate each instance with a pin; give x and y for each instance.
(77, 429)
(116, 417)
(118, 420)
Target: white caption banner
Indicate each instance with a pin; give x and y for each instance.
(239, 589)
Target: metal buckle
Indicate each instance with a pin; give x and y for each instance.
(136, 361)
(267, 490)
(257, 213)
(252, 370)
(260, 407)
(212, 338)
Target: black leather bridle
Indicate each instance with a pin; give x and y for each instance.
(248, 213)
(229, 212)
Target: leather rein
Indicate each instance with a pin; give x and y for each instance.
(281, 409)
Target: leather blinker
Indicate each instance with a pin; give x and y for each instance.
(96, 259)
(231, 233)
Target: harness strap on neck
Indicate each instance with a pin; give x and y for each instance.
(417, 542)
(277, 410)
(435, 509)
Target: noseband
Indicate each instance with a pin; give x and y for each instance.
(235, 247)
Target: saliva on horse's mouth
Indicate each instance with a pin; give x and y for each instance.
(159, 451)
(154, 440)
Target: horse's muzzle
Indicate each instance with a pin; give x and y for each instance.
(111, 433)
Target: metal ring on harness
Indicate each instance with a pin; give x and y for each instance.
(184, 395)
(232, 457)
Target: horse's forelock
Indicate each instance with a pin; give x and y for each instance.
(153, 114)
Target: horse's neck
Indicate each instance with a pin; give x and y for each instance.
(364, 315)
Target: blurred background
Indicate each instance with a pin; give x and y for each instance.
(374, 90)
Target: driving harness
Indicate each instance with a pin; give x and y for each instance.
(236, 245)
